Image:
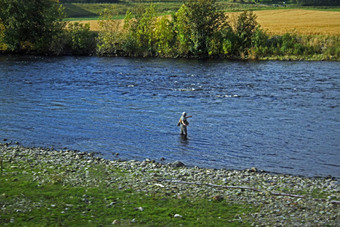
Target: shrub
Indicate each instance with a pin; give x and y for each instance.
(259, 42)
(3, 46)
(139, 39)
(81, 40)
(244, 29)
(197, 22)
(111, 35)
(31, 25)
(165, 37)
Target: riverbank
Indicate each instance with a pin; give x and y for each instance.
(44, 186)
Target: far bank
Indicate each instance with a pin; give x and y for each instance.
(198, 29)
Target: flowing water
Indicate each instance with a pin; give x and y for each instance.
(277, 116)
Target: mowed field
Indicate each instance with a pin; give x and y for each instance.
(306, 22)
(278, 22)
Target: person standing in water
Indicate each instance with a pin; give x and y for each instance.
(183, 122)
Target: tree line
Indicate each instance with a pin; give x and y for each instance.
(199, 29)
(318, 2)
(298, 2)
(89, 1)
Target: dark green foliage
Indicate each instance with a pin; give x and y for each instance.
(80, 39)
(89, 1)
(260, 40)
(318, 2)
(165, 37)
(111, 35)
(245, 28)
(30, 25)
(143, 32)
(198, 21)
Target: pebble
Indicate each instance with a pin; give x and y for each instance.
(184, 182)
(177, 164)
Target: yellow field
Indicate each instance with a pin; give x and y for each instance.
(93, 24)
(307, 22)
(278, 22)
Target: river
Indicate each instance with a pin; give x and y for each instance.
(276, 116)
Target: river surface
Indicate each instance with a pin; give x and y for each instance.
(281, 117)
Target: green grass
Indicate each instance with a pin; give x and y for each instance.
(83, 10)
(24, 202)
(92, 11)
(79, 10)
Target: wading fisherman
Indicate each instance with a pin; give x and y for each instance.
(183, 122)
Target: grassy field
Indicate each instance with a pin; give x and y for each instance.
(92, 11)
(305, 22)
(278, 22)
(81, 10)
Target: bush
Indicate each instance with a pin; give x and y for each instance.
(80, 39)
(3, 46)
(259, 42)
(165, 37)
(244, 29)
(144, 33)
(139, 39)
(111, 35)
(197, 22)
(30, 26)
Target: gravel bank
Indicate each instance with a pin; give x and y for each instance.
(284, 199)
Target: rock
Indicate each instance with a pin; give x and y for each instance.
(253, 170)
(218, 198)
(177, 164)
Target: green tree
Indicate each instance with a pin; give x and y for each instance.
(165, 36)
(244, 29)
(80, 39)
(182, 26)
(260, 42)
(111, 35)
(3, 46)
(31, 25)
(197, 22)
(145, 31)
(140, 40)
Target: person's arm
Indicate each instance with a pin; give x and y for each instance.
(180, 122)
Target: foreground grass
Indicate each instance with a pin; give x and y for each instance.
(27, 202)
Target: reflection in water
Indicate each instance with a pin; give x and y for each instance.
(184, 140)
(276, 116)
